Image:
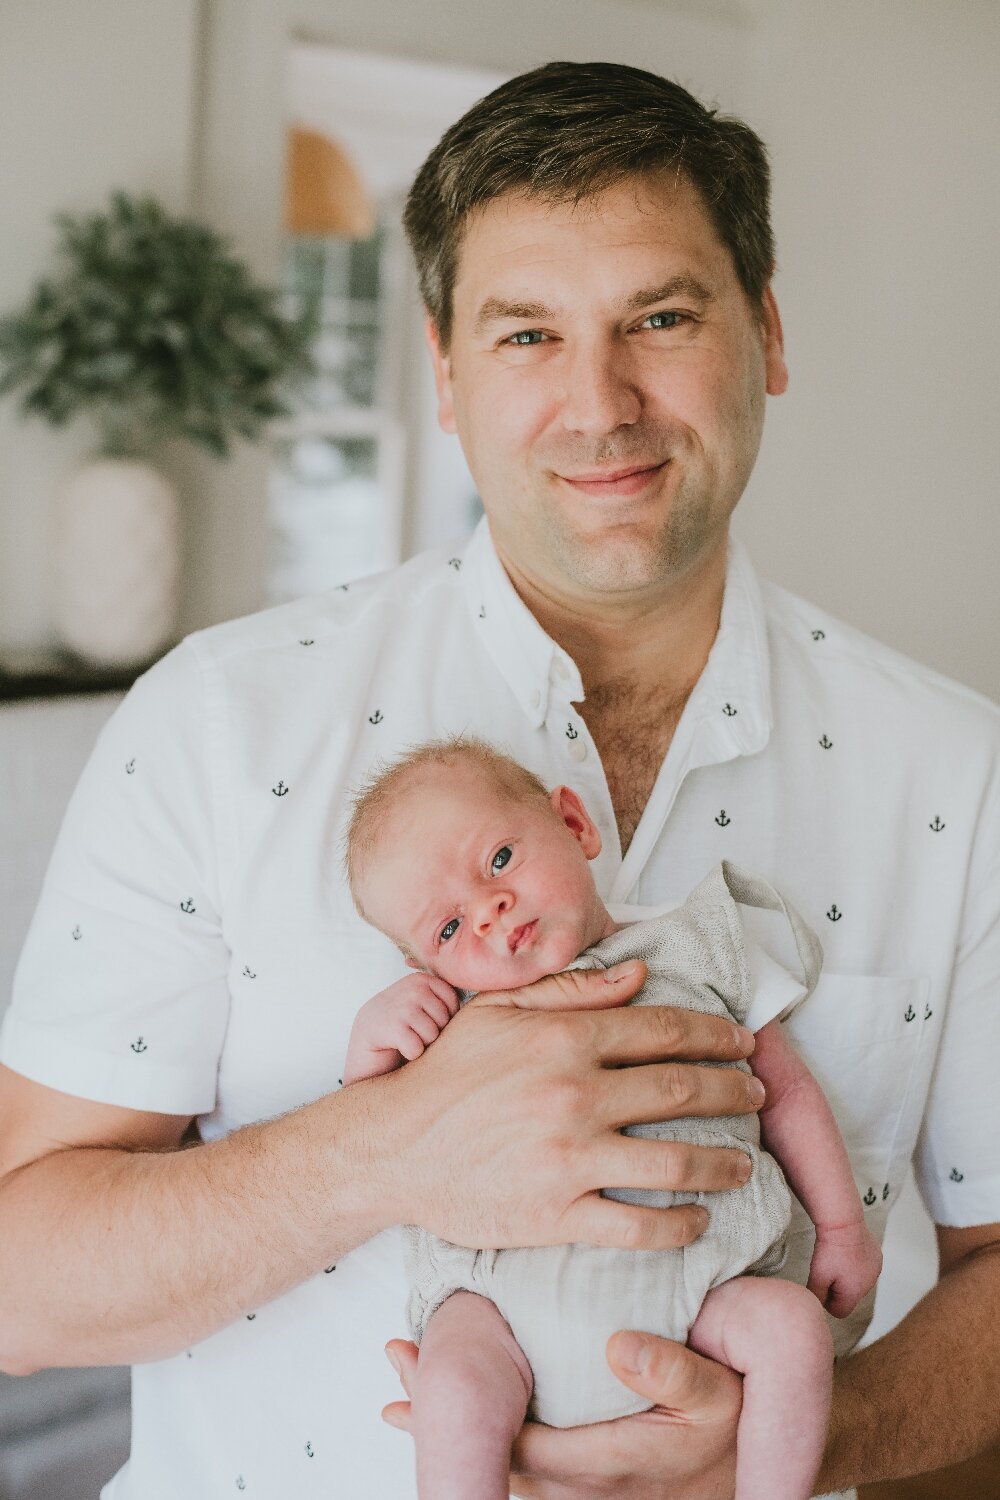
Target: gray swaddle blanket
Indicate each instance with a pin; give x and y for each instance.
(563, 1302)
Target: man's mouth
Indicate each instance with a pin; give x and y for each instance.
(522, 935)
(630, 480)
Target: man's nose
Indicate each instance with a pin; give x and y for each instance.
(601, 393)
(490, 908)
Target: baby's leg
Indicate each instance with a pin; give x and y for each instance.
(775, 1334)
(472, 1389)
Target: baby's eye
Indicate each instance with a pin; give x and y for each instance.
(501, 858)
(448, 930)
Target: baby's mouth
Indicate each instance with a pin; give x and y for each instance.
(521, 936)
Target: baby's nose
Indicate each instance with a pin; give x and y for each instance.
(491, 908)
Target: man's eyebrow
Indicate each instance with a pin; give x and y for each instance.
(497, 309)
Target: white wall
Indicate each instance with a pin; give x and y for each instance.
(94, 95)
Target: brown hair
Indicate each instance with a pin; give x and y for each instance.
(567, 130)
(375, 798)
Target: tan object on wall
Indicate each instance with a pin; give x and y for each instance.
(324, 193)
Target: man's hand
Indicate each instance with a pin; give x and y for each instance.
(506, 1130)
(397, 1024)
(684, 1447)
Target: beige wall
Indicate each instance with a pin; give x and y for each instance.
(94, 95)
(875, 490)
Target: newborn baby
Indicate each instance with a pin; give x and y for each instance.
(481, 877)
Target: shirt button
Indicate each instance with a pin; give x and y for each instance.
(578, 749)
(536, 698)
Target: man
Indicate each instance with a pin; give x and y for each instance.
(595, 257)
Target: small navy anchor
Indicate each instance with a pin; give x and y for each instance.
(310, 642)
(571, 733)
(188, 906)
(909, 1014)
(376, 717)
(241, 1483)
(130, 766)
(76, 934)
(250, 1317)
(341, 1082)
(280, 790)
(819, 635)
(936, 826)
(456, 563)
(343, 587)
(927, 1012)
(139, 1046)
(328, 1269)
(869, 1198)
(826, 743)
(310, 1453)
(729, 711)
(248, 973)
(956, 1175)
(885, 1192)
(723, 819)
(482, 611)
(834, 914)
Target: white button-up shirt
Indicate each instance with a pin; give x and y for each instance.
(196, 950)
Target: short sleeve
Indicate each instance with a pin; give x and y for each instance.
(957, 1161)
(774, 991)
(121, 993)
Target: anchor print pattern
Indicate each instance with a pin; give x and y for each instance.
(909, 1014)
(927, 1012)
(482, 611)
(310, 641)
(937, 826)
(248, 973)
(869, 1198)
(328, 1269)
(571, 733)
(241, 1483)
(130, 767)
(819, 635)
(139, 1045)
(250, 1317)
(826, 742)
(188, 906)
(310, 1451)
(834, 914)
(723, 819)
(956, 1176)
(885, 1192)
(376, 717)
(729, 711)
(76, 934)
(456, 563)
(280, 790)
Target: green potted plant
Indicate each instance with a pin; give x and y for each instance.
(153, 330)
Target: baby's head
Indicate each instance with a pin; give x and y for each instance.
(474, 870)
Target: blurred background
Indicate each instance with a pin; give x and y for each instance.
(294, 127)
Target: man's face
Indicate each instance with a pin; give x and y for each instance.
(486, 890)
(606, 376)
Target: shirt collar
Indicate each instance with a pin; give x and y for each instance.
(731, 703)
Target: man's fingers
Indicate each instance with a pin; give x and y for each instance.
(675, 1377)
(675, 1091)
(397, 1414)
(672, 1166)
(574, 989)
(594, 1220)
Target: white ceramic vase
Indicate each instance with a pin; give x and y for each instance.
(117, 558)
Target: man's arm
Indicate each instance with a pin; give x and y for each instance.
(118, 1247)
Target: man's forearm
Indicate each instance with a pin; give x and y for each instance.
(925, 1395)
(118, 1257)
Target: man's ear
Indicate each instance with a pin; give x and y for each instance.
(775, 368)
(568, 807)
(442, 376)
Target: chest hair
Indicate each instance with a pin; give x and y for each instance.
(632, 727)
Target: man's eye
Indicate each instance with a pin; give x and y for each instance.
(501, 858)
(526, 337)
(665, 319)
(448, 930)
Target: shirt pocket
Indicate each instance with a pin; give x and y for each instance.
(860, 1035)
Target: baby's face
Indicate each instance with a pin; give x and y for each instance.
(486, 891)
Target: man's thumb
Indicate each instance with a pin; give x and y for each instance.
(672, 1375)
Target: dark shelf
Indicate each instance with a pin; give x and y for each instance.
(64, 677)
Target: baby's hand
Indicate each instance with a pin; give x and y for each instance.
(845, 1266)
(397, 1024)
